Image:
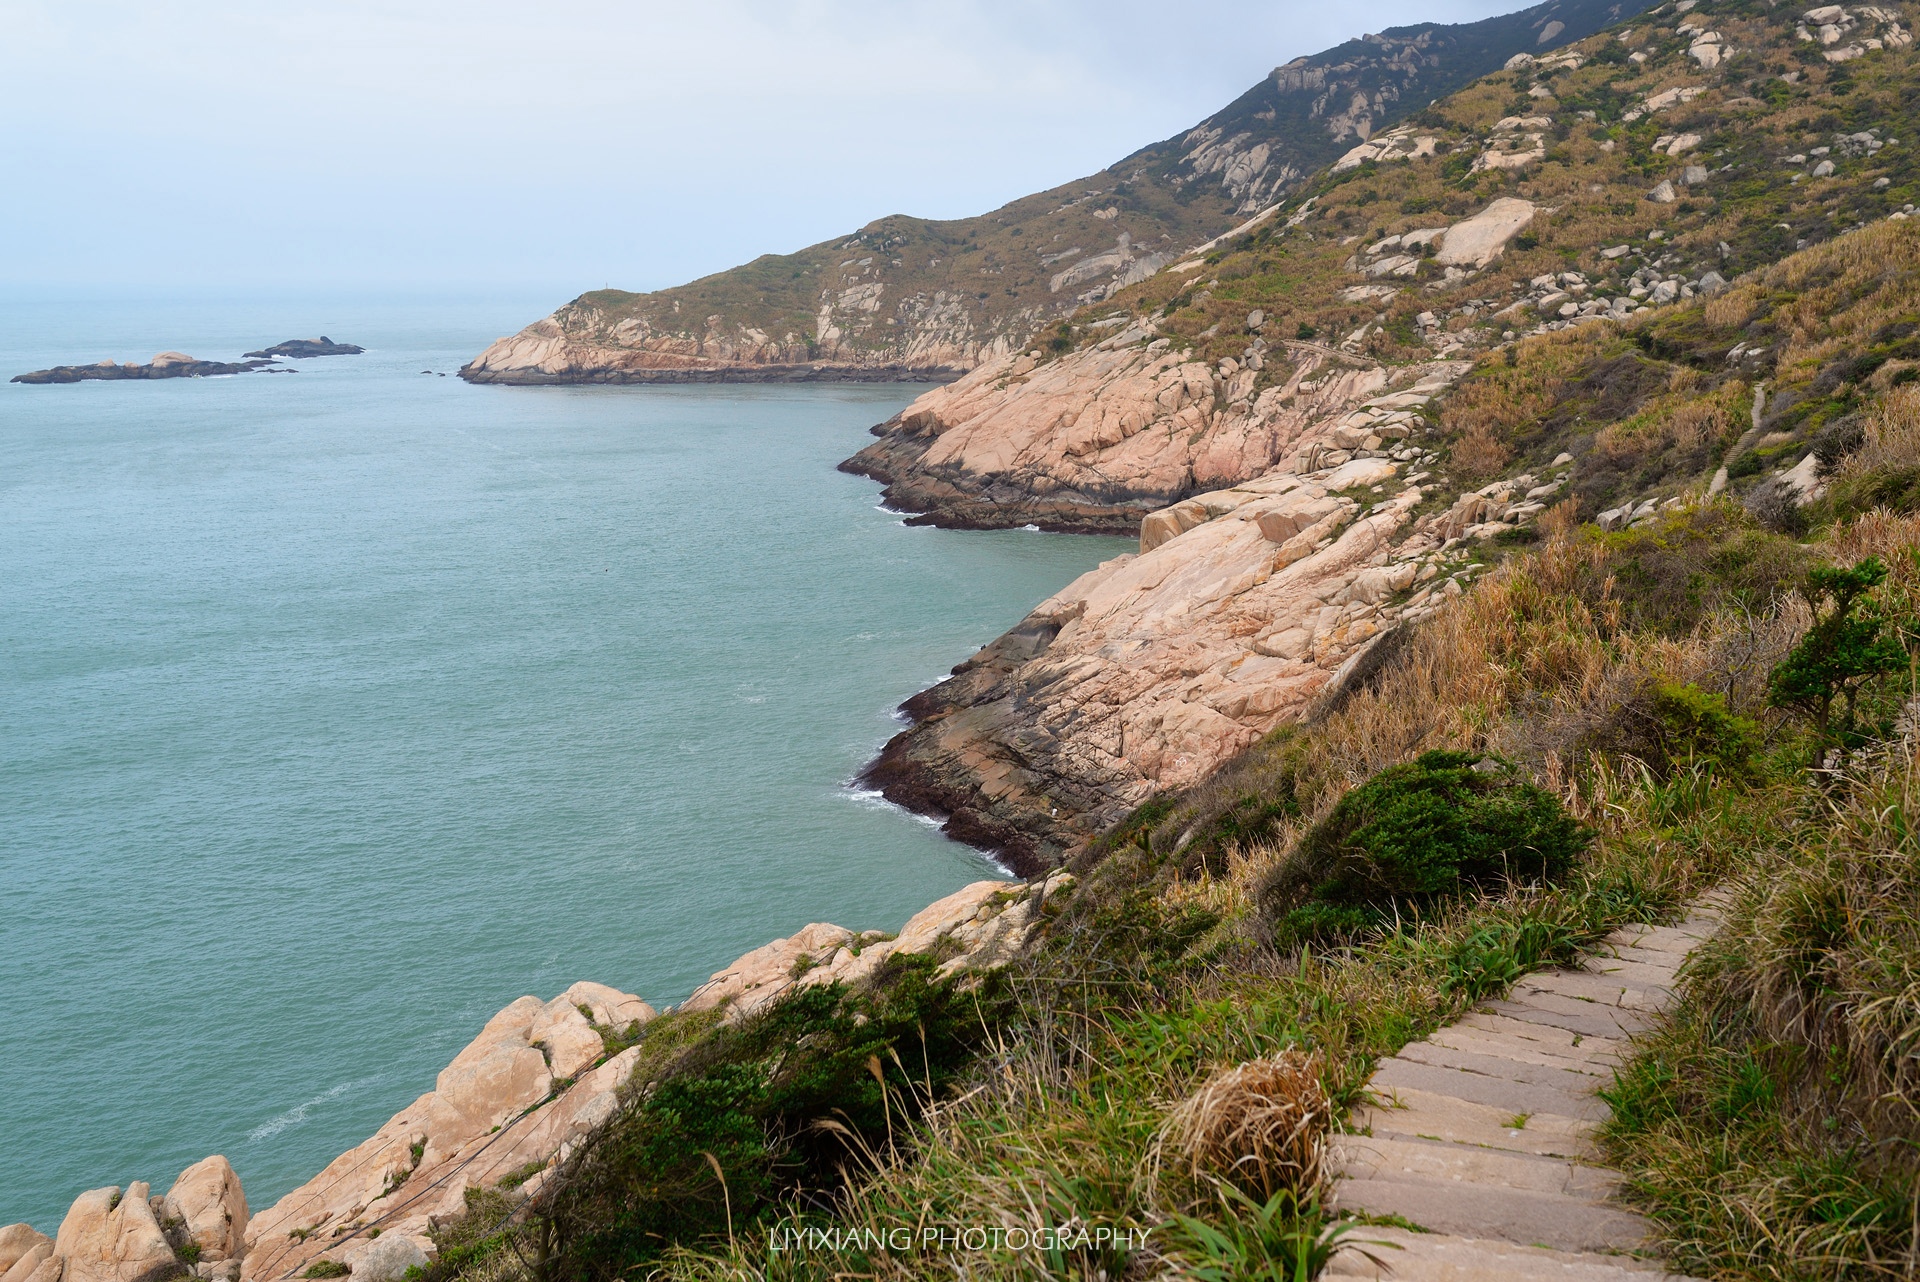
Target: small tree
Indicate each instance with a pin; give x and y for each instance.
(1841, 652)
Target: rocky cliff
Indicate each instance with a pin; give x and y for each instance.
(911, 298)
(1282, 419)
(1094, 440)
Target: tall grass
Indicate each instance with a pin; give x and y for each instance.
(1771, 1126)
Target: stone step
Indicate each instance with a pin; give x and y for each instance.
(1606, 989)
(1415, 1114)
(1558, 1041)
(1553, 1220)
(1659, 959)
(1393, 1157)
(1628, 971)
(1578, 1059)
(1683, 938)
(1407, 1256)
(1494, 1092)
(1589, 1019)
(1513, 1070)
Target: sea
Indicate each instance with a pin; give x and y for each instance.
(340, 708)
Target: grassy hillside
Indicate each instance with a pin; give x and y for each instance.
(917, 291)
(1756, 130)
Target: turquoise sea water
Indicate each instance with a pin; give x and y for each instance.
(340, 708)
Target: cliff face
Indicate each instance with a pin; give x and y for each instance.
(910, 298)
(1093, 441)
(1277, 417)
(1244, 607)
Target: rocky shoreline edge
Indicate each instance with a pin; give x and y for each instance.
(538, 1079)
(475, 373)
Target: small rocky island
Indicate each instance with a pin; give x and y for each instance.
(165, 365)
(300, 348)
(180, 365)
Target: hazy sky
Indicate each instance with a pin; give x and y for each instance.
(574, 143)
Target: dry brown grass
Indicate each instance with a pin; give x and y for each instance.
(1261, 1126)
(1529, 664)
(1480, 454)
(1892, 438)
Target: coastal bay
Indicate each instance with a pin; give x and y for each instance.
(343, 711)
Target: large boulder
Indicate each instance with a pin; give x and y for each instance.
(498, 1075)
(29, 1264)
(208, 1198)
(492, 1112)
(18, 1241)
(1474, 242)
(110, 1238)
(608, 1005)
(569, 1041)
(386, 1259)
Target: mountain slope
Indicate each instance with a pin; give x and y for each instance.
(1622, 171)
(911, 297)
(1328, 427)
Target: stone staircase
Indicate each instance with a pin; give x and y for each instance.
(1483, 1132)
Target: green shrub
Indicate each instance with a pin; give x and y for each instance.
(1414, 835)
(326, 1269)
(1840, 654)
(742, 1119)
(1678, 731)
(1668, 575)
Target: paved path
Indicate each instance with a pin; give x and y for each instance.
(1483, 1136)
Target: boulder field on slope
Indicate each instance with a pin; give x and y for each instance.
(526, 1089)
(534, 1083)
(135, 1235)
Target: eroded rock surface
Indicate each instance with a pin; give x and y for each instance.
(111, 1237)
(982, 925)
(212, 1208)
(521, 1092)
(23, 1249)
(1095, 441)
(1245, 606)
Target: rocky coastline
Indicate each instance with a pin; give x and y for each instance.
(716, 374)
(510, 1108)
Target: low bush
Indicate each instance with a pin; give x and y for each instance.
(1674, 729)
(1413, 835)
(716, 1138)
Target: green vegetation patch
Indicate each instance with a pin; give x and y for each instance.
(1443, 824)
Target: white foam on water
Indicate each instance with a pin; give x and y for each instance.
(297, 1115)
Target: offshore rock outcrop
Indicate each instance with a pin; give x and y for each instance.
(302, 348)
(165, 365)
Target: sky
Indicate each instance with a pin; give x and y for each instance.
(572, 144)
